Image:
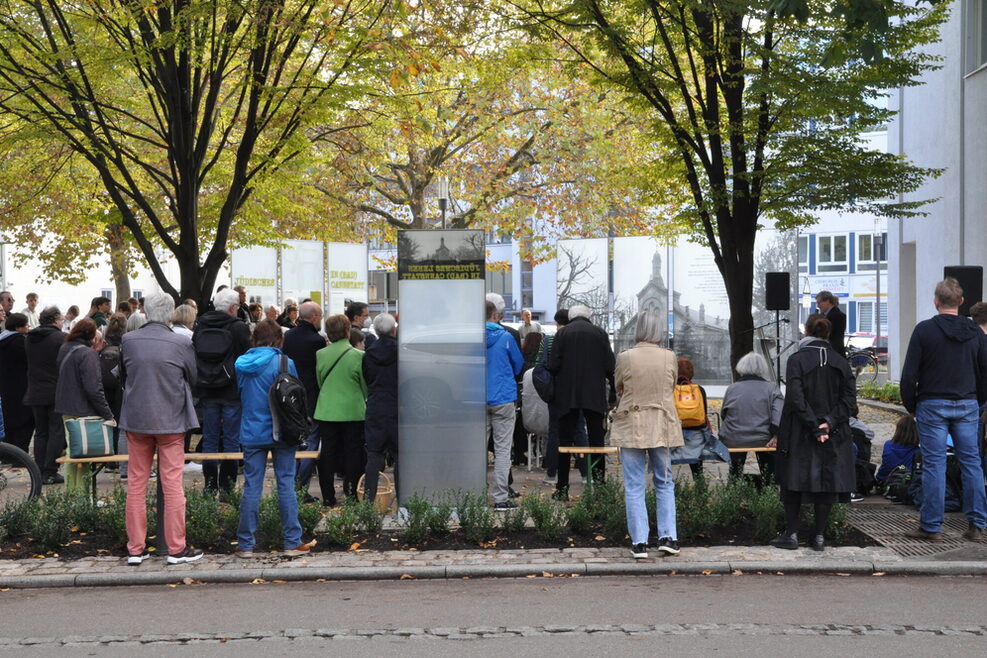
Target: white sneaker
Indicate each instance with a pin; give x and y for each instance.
(193, 467)
(553, 480)
(187, 555)
(135, 560)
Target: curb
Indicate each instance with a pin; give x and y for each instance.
(883, 406)
(665, 567)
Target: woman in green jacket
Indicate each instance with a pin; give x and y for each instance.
(340, 410)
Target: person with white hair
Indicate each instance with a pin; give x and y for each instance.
(157, 411)
(583, 363)
(528, 326)
(380, 370)
(219, 339)
(499, 305)
(272, 312)
(751, 414)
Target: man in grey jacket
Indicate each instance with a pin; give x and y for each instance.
(158, 367)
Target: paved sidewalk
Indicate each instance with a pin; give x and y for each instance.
(390, 565)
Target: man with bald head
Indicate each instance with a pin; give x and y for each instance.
(300, 344)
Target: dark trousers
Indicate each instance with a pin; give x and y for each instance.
(49, 439)
(568, 429)
(765, 462)
(20, 437)
(382, 440)
(342, 450)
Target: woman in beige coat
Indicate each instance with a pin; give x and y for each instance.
(645, 428)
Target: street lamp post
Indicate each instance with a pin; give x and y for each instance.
(878, 242)
(443, 197)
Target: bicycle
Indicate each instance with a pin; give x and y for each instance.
(20, 477)
(863, 364)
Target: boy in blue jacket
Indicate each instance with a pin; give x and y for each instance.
(504, 362)
(255, 373)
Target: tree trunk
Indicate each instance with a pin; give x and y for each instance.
(119, 261)
(739, 282)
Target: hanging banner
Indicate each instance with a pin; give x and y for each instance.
(442, 363)
(347, 265)
(256, 269)
(303, 270)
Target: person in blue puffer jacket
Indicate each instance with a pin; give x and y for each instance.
(255, 373)
(504, 362)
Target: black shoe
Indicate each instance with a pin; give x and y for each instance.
(55, 479)
(817, 543)
(973, 533)
(789, 542)
(329, 502)
(511, 493)
(561, 495)
(668, 546)
(187, 555)
(919, 533)
(505, 506)
(639, 551)
(309, 498)
(856, 498)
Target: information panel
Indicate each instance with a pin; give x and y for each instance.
(347, 275)
(442, 363)
(303, 269)
(256, 268)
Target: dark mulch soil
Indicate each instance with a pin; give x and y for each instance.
(102, 544)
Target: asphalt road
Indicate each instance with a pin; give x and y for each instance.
(736, 615)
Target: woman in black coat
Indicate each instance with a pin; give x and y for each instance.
(814, 462)
(380, 370)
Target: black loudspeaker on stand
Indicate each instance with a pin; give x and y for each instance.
(777, 297)
(971, 278)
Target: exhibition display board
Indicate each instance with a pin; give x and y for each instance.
(256, 268)
(347, 275)
(441, 362)
(303, 264)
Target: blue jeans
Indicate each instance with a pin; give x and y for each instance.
(220, 433)
(958, 418)
(254, 465)
(660, 461)
(307, 466)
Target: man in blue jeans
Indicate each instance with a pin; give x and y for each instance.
(219, 339)
(943, 383)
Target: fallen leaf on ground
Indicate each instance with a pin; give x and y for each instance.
(878, 573)
(531, 575)
(547, 574)
(845, 575)
(257, 581)
(355, 545)
(192, 581)
(599, 538)
(407, 576)
(707, 572)
(576, 575)
(737, 572)
(279, 581)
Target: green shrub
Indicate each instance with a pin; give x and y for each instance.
(838, 527)
(549, 516)
(692, 509)
(204, 518)
(309, 516)
(269, 532)
(341, 525)
(476, 519)
(438, 519)
(115, 513)
(512, 521)
(416, 522)
(18, 516)
(580, 520)
(767, 511)
(52, 526)
(368, 518)
(887, 392)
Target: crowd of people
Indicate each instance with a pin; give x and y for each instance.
(160, 374)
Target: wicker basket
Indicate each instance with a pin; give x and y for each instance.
(385, 492)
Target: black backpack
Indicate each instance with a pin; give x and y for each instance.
(214, 357)
(289, 407)
(109, 362)
(542, 379)
(897, 485)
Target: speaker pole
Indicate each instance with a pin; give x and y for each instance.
(778, 347)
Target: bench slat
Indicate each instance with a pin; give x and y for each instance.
(189, 456)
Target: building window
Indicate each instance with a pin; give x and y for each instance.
(106, 292)
(866, 252)
(138, 294)
(976, 34)
(832, 253)
(803, 253)
(865, 318)
(527, 284)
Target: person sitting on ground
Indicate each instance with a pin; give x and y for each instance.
(646, 428)
(900, 450)
(256, 371)
(863, 439)
(751, 415)
(693, 412)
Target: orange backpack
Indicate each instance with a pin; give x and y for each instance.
(689, 405)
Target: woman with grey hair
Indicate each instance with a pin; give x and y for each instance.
(645, 428)
(751, 415)
(136, 321)
(183, 319)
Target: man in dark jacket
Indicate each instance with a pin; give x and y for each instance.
(829, 307)
(18, 418)
(301, 342)
(380, 370)
(219, 339)
(582, 361)
(357, 313)
(42, 347)
(943, 380)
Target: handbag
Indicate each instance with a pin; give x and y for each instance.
(543, 380)
(90, 436)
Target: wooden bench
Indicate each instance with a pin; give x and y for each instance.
(589, 451)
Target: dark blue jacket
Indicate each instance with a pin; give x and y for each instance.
(946, 360)
(895, 455)
(300, 344)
